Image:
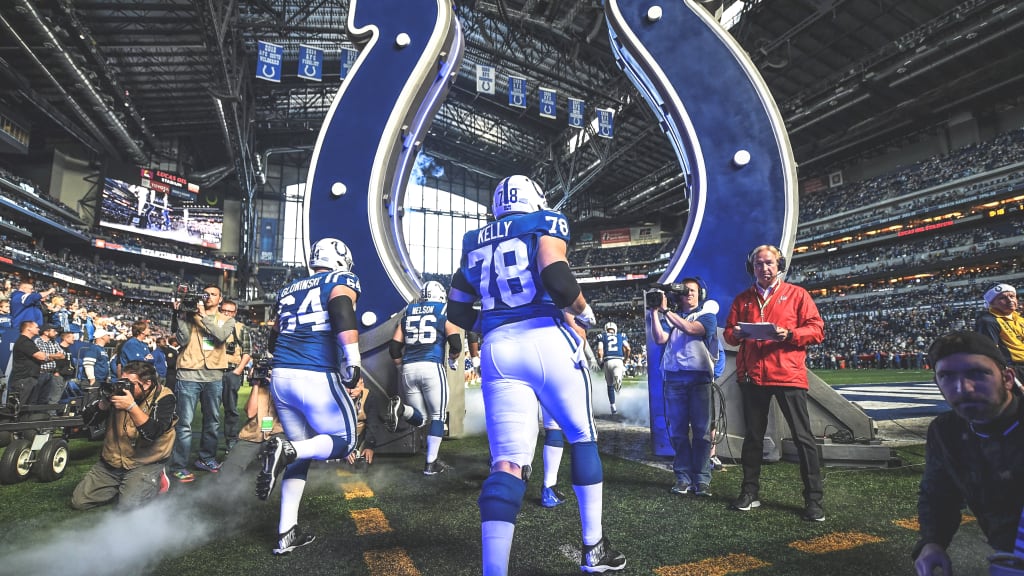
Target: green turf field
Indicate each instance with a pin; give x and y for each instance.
(393, 520)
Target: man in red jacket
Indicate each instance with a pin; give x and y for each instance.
(770, 363)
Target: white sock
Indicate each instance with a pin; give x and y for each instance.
(497, 545)
(318, 447)
(433, 445)
(552, 459)
(591, 502)
(291, 495)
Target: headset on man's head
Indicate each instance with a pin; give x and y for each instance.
(702, 288)
(774, 250)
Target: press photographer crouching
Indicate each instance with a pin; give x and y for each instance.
(140, 416)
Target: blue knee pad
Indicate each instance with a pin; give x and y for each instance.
(554, 438)
(501, 497)
(298, 469)
(586, 464)
(436, 428)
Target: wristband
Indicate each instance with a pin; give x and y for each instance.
(132, 405)
(352, 357)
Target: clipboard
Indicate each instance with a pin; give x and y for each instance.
(759, 330)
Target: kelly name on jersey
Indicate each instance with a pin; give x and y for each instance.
(500, 261)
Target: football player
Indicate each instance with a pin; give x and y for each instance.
(612, 350)
(417, 347)
(315, 318)
(516, 268)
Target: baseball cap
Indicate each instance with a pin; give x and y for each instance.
(46, 327)
(964, 342)
(100, 333)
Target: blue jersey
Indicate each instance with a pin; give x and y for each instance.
(613, 345)
(94, 355)
(423, 332)
(500, 262)
(305, 339)
(26, 306)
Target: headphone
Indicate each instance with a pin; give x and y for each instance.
(774, 250)
(702, 288)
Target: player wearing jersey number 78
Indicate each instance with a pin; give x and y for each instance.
(516, 268)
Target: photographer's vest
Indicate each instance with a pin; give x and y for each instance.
(119, 444)
(199, 354)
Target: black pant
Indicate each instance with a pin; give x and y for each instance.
(229, 397)
(793, 402)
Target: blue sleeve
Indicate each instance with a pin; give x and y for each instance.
(710, 323)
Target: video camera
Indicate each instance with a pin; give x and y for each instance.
(652, 298)
(260, 372)
(115, 388)
(191, 295)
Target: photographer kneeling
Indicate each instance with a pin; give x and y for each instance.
(140, 416)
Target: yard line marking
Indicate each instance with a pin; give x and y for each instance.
(834, 542)
(370, 521)
(393, 562)
(354, 490)
(719, 566)
(912, 524)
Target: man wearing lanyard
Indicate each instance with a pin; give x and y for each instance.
(772, 365)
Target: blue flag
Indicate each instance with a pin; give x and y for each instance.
(268, 61)
(311, 63)
(517, 91)
(576, 108)
(548, 103)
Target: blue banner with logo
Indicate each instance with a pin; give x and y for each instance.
(576, 108)
(605, 122)
(348, 59)
(548, 102)
(517, 91)
(485, 79)
(268, 61)
(311, 63)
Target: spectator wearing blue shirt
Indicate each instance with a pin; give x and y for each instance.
(26, 303)
(134, 348)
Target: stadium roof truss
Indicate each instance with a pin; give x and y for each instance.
(171, 82)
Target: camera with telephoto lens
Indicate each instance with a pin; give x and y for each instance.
(190, 296)
(115, 388)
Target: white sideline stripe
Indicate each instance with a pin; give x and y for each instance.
(875, 405)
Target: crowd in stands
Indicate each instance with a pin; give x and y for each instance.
(144, 242)
(33, 189)
(597, 256)
(912, 253)
(884, 322)
(135, 281)
(1005, 149)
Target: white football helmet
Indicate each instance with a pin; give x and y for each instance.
(433, 291)
(332, 254)
(517, 195)
(611, 327)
